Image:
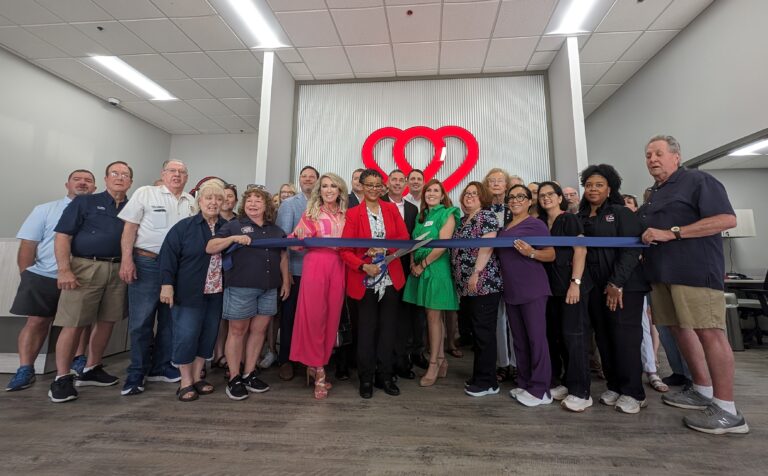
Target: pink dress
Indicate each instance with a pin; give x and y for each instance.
(321, 295)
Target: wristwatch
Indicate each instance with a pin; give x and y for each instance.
(577, 281)
(676, 231)
(532, 255)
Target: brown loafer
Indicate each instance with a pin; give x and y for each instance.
(286, 371)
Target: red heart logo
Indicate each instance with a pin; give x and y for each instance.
(437, 137)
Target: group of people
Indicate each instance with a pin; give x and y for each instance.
(194, 268)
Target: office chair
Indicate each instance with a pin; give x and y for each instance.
(754, 306)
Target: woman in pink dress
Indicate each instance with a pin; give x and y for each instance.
(321, 296)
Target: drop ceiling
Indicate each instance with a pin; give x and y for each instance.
(188, 48)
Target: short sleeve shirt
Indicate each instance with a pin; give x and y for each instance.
(39, 226)
(92, 222)
(257, 268)
(463, 259)
(525, 279)
(155, 209)
(560, 271)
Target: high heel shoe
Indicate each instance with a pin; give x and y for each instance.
(430, 376)
(311, 378)
(443, 369)
(321, 388)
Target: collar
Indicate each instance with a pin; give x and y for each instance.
(199, 219)
(672, 178)
(184, 195)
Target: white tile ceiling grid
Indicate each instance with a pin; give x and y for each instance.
(190, 50)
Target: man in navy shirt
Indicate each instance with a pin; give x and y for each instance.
(685, 214)
(87, 249)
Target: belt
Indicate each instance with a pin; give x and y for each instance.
(108, 259)
(146, 253)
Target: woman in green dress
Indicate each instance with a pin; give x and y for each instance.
(430, 284)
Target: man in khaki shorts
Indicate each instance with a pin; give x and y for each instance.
(685, 214)
(87, 249)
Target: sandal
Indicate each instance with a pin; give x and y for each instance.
(657, 384)
(456, 353)
(203, 387)
(187, 394)
(220, 363)
(502, 374)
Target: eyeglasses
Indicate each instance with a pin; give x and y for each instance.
(176, 171)
(548, 195)
(373, 186)
(470, 194)
(497, 181)
(572, 194)
(256, 186)
(124, 175)
(517, 198)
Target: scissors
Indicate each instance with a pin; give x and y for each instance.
(384, 260)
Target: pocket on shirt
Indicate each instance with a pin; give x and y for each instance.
(159, 219)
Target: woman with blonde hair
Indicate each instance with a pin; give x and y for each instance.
(321, 298)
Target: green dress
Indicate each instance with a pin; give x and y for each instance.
(434, 289)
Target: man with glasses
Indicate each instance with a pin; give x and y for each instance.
(152, 211)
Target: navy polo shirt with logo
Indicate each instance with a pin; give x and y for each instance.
(92, 222)
(257, 268)
(686, 197)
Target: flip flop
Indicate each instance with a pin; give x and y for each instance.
(183, 394)
(203, 387)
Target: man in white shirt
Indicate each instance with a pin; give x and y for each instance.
(149, 214)
(415, 185)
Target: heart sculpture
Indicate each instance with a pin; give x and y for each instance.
(437, 137)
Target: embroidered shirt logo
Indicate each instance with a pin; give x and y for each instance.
(610, 218)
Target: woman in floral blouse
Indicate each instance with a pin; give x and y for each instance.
(478, 282)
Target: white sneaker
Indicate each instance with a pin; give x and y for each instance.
(268, 360)
(515, 392)
(530, 401)
(576, 404)
(627, 404)
(559, 392)
(609, 398)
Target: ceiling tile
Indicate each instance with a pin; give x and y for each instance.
(289, 55)
(209, 107)
(243, 106)
(162, 35)
(371, 58)
(154, 67)
(252, 120)
(621, 71)
(679, 14)
(204, 124)
(422, 25)
(543, 57)
(232, 123)
(420, 72)
(298, 69)
(648, 45)
(303, 77)
(184, 8)
(210, 33)
(550, 43)
(251, 85)
(585, 88)
(505, 52)
(196, 65)
(328, 60)
(407, 2)
(27, 44)
(383, 74)
(601, 92)
(603, 47)
(467, 21)
(115, 37)
(237, 63)
(523, 18)
(107, 89)
(68, 39)
(354, 3)
(503, 69)
(444, 71)
(631, 15)
(130, 10)
(463, 54)
(183, 132)
(75, 10)
(361, 26)
(314, 28)
(5, 22)
(327, 76)
(71, 69)
(185, 89)
(592, 72)
(589, 108)
(537, 67)
(178, 109)
(222, 87)
(292, 5)
(416, 56)
(26, 12)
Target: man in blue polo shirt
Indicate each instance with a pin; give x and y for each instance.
(685, 214)
(37, 295)
(87, 248)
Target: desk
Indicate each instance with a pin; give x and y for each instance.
(744, 283)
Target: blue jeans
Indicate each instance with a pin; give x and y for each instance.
(143, 304)
(195, 329)
(675, 358)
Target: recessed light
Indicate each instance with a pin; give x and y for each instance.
(573, 20)
(132, 76)
(752, 148)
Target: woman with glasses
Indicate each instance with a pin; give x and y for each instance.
(526, 289)
(374, 285)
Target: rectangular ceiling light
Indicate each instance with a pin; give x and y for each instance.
(254, 22)
(128, 73)
(574, 19)
(752, 149)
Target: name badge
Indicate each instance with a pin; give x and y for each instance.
(429, 223)
(99, 207)
(246, 229)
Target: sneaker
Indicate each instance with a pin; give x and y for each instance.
(627, 404)
(63, 389)
(515, 392)
(23, 378)
(689, 399)
(609, 397)
(78, 364)
(716, 421)
(134, 385)
(477, 391)
(675, 380)
(254, 384)
(171, 375)
(96, 377)
(236, 389)
(530, 401)
(576, 404)
(559, 393)
(268, 360)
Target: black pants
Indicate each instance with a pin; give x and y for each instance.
(345, 355)
(376, 329)
(483, 312)
(569, 336)
(404, 335)
(286, 321)
(466, 335)
(619, 335)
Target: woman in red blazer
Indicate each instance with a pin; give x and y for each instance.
(376, 294)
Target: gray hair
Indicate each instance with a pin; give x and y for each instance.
(210, 186)
(672, 144)
(165, 164)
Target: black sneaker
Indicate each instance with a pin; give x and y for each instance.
(96, 377)
(63, 389)
(236, 389)
(254, 384)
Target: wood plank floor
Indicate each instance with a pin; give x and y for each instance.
(423, 431)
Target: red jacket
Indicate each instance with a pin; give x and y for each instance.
(357, 226)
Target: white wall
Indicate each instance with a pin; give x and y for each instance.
(229, 156)
(49, 127)
(273, 163)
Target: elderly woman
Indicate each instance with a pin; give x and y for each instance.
(191, 285)
(227, 212)
(430, 284)
(477, 277)
(616, 300)
(321, 298)
(287, 190)
(526, 289)
(252, 284)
